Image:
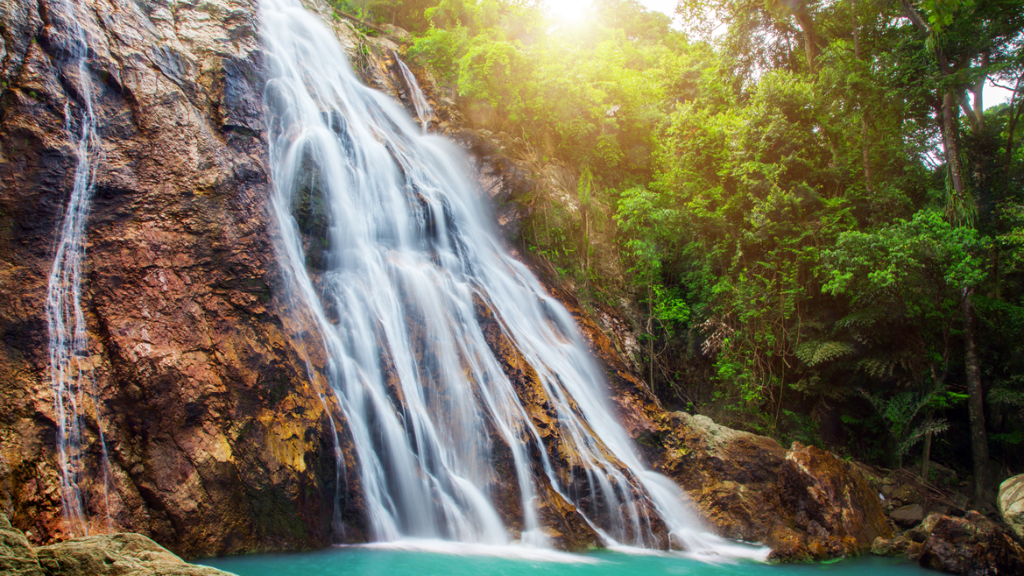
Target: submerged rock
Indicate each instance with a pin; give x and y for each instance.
(1011, 503)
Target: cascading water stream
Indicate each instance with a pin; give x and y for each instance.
(69, 354)
(385, 247)
(424, 112)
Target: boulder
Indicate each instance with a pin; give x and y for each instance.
(804, 503)
(1011, 503)
(914, 551)
(973, 546)
(908, 494)
(908, 516)
(17, 558)
(116, 555)
(890, 546)
(916, 535)
(106, 555)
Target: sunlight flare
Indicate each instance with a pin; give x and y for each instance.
(568, 11)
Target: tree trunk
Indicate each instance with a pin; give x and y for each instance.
(927, 452)
(810, 39)
(1015, 110)
(938, 383)
(951, 143)
(976, 402)
(650, 331)
(864, 146)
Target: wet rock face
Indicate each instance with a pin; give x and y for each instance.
(1011, 503)
(218, 440)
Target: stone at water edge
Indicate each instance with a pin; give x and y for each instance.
(1011, 503)
(105, 555)
(972, 546)
(17, 558)
(890, 547)
(116, 555)
(804, 503)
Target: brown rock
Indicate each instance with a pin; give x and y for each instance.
(804, 503)
(218, 441)
(928, 524)
(116, 555)
(17, 557)
(108, 555)
(908, 494)
(917, 535)
(914, 551)
(890, 547)
(907, 516)
(564, 525)
(974, 546)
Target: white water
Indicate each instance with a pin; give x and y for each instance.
(508, 552)
(402, 247)
(69, 354)
(424, 112)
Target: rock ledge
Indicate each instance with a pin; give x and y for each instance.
(105, 555)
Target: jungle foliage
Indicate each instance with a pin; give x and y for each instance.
(819, 223)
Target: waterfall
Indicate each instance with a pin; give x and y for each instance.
(424, 112)
(388, 248)
(69, 355)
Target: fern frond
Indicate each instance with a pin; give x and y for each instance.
(1006, 397)
(877, 368)
(863, 318)
(815, 352)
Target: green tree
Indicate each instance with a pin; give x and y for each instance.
(906, 284)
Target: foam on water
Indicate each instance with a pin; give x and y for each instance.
(512, 551)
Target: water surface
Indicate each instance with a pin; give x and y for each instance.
(516, 561)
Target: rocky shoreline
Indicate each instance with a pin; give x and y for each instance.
(105, 555)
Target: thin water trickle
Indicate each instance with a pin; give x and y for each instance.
(69, 349)
(424, 112)
(388, 248)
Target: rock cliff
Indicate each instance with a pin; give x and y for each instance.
(220, 434)
(218, 440)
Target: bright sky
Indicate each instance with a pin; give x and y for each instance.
(996, 95)
(571, 10)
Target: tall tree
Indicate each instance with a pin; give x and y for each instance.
(970, 39)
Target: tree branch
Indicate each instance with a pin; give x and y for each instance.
(915, 18)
